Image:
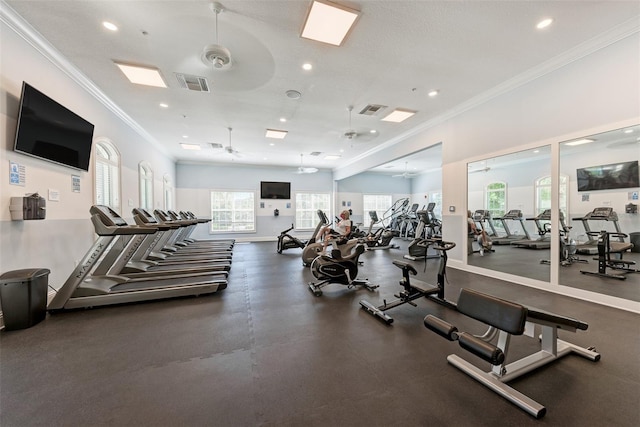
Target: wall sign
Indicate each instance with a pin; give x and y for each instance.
(17, 174)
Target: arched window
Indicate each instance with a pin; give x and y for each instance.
(168, 192)
(107, 174)
(145, 175)
(543, 194)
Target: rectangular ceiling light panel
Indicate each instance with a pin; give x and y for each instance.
(190, 146)
(398, 115)
(141, 75)
(276, 134)
(328, 22)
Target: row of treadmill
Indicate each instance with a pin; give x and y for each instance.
(542, 222)
(154, 259)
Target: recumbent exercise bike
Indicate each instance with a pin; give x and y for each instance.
(338, 269)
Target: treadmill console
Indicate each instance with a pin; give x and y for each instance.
(108, 216)
(606, 214)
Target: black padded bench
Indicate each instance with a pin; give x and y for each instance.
(508, 318)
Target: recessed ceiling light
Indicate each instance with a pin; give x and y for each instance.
(536, 151)
(307, 66)
(110, 26)
(342, 150)
(579, 142)
(328, 23)
(332, 157)
(433, 93)
(373, 131)
(283, 119)
(148, 76)
(544, 23)
(163, 105)
(628, 131)
(398, 115)
(271, 144)
(276, 134)
(190, 146)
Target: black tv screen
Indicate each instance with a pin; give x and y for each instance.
(275, 190)
(52, 132)
(609, 177)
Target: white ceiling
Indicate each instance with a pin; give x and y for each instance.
(397, 52)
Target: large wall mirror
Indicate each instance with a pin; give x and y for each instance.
(602, 190)
(509, 199)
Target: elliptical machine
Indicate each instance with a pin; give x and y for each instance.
(418, 250)
(338, 269)
(287, 241)
(381, 239)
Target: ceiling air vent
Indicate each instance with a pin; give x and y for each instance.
(194, 83)
(315, 153)
(215, 145)
(372, 109)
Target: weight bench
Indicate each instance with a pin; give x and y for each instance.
(505, 319)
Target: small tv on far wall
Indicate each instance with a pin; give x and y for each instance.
(275, 190)
(609, 177)
(50, 131)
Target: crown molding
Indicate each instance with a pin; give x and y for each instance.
(22, 28)
(609, 37)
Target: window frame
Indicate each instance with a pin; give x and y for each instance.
(301, 213)
(366, 220)
(563, 189)
(145, 185)
(113, 164)
(214, 225)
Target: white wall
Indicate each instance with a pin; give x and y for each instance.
(195, 182)
(66, 234)
(597, 92)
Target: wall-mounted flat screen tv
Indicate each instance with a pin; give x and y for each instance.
(275, 190)
(52, 132)
(609, 177)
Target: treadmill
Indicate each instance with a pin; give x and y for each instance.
(590, 247)
(162, 247)
(141, 258)
(84, 289)
(512, 215)
(480, 217)
(544, 241)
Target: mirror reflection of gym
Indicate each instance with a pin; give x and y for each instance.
(509, 198)
(592, 165)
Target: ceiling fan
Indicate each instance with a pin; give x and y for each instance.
(302, 169)
(215, 54)
(229, 149)
(351, 134)
(406, 173)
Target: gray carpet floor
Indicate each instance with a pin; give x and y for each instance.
(267, 352)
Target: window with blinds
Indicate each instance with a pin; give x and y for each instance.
(145, 175)
(307, 204)
(375, 202)
(233, 211)
(107, 175)
(168, 192)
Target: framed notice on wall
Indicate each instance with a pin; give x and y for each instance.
(75, 183)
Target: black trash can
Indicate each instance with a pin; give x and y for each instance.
(635, 239)
(23, 297)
